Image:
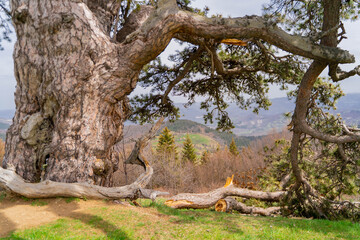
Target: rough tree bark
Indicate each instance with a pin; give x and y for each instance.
(229, 204)
(300, 126)
(73, 79)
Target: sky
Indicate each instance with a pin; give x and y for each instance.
(233, 8)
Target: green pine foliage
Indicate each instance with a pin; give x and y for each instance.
(205, 156)
(188, 153)
(233, 149)
(166, 144)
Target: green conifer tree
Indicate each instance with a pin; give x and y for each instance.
(232, 148)
(188, 153)
(205, 156)
(166, 144)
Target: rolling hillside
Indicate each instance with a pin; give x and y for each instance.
(224, 138)
(246, 122)
(249, 124)
(201, 142)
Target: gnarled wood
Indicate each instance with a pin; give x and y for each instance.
(206, 200)
(228, 204)
(10, 181)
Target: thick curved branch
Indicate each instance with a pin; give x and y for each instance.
(206, 200)
(168, 21)
(305, 128)
(337, 74)
(9, 180)
(258, 27)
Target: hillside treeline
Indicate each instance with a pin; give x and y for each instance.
(209, 171)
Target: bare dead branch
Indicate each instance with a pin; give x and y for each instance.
(135, 155)
(206, 200)
(337, 74)
(229, 204)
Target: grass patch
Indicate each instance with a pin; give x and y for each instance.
(157, 221)
(25, 199)
(38, 203)
(72, 199)
(2, 196)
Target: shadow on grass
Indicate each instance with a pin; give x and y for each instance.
(232, 222)
(199, 216)
(63, 211)
(111, 231)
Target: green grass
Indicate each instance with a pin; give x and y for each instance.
(72, 199)
(201, 142)
(2, 196)
(38, 203)
(156, 221)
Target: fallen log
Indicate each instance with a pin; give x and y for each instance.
(206, 200)
(228, 204)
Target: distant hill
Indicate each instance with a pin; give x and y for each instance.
(224, 138)
(182, 127)
(201, 142)
(248, 123)
(7, 114)
(4, 125)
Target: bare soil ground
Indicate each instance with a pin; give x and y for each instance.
(21, 213)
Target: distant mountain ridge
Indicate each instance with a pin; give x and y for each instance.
(248, 123)
(7, 114)
(182, 126)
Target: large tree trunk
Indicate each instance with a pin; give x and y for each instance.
(70, 95)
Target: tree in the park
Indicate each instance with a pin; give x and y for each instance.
(166, 145)
(232, 148)
(188, 151)
(77, 61)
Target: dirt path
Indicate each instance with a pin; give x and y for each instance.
(18, 213)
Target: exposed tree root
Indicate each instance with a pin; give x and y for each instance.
(206, 200)
(228, 204)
